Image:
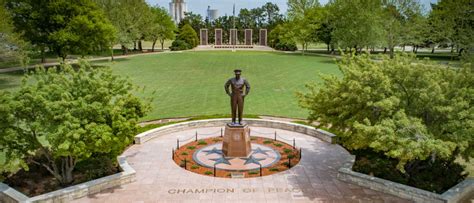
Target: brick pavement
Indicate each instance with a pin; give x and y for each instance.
(159, 179)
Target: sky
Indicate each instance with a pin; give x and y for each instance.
(225, 6)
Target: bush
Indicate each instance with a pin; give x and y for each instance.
(97, 166)
(202, 142)
(178, 45)
(208, 173)
(437, 176)
(286, 46)
(194, 167)
(187, 34)
(191, 147)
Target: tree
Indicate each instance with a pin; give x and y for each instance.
(188, 35)
(399, 14)
(11, 46)
(162, 27)
(194, 20)
(62, 116)
(304, 28)
(408, 109)
(271, 12)
(298, 8)
(453, 21)
(63, 26)
(356, 25)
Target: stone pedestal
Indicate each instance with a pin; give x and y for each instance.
(236, 141)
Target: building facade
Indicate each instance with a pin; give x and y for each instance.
(177, 10)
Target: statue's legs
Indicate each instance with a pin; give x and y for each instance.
(240, 102)
(233, 107)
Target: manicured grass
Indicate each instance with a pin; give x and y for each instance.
(192, 83)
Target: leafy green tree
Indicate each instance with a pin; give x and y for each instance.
(192, 19)
(298, 8)
(304, 28)
(188, 35)
(62, 116)
(65, 27)
(356, 25)
(408, 109)
(162, 27)
(398, 15)
(452, 22)
(12, 47)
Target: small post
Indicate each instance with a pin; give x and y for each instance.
(214, 170)
(172, 154)
(294, 143)
(185, 163)
(260, 169)
(177, 143)
(222, 133)
(300, 152)
(275, 136)
(289, 162)
(250, 131)
(196, 135)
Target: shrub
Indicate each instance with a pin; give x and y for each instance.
(254, 172)
(184, 153)
(278, 145)
(84, 111)
(438, 175)
(187, 34)
(191, 147)
(194, 167)
(267, 142)
(178, 45)
(274, 169)
(208, 173)
(287, 151)
(286, 46)
(202, 142)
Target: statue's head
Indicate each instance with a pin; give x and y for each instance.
(237, 73)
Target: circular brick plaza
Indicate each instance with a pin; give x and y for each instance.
(160, 179)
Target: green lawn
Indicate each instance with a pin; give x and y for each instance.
(192, 83)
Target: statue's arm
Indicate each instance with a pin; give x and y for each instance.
(226, 87)
(247, 87)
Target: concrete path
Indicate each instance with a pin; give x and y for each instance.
(159, 179)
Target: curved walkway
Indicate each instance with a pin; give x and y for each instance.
(159, 179)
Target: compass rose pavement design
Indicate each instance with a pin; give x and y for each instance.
(212, 155)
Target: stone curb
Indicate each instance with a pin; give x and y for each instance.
(454, 194)
(128, 175)
(304, 129)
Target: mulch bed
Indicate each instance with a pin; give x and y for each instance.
(187, 151)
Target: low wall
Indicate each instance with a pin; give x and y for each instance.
(456, 193)
(10, 195)
(304, 129)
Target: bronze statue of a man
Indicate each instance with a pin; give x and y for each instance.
(237, 96)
